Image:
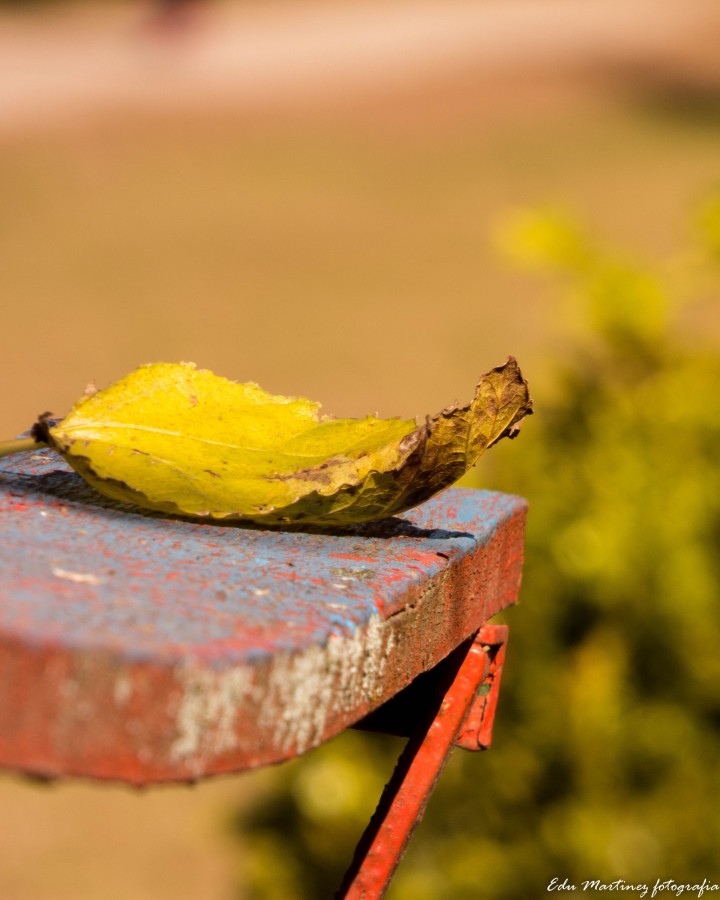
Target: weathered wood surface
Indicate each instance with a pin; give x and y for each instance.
(145, 648)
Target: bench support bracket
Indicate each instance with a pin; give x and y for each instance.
(462, 715)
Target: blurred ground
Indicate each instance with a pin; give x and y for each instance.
(76, 840)
(337, 244)
(305, 196)
(284, 56)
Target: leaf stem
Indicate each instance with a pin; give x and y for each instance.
(19, 445)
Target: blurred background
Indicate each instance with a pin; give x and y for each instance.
(371, 204)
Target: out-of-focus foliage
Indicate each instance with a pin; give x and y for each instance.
(708, 225)
(606, 760)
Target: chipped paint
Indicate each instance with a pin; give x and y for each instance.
(77, 577)
(122, 690)
(305, 691)
(208, 708)
(346, 573)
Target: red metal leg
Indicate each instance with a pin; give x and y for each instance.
(464, 716)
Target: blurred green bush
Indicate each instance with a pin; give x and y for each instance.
(606, 761)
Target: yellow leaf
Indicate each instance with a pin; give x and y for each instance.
(181, 440)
